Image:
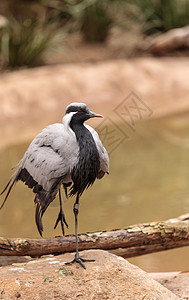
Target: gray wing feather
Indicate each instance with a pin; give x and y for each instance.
(49, 156)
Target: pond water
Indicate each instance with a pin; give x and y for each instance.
(148, 181)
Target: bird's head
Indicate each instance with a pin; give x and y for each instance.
(78, 113)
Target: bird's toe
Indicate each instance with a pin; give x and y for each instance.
(62, 220)
(80, 261)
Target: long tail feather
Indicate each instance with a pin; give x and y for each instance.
(6, 187)
(38, 216)
(11, 183)
(42, 200)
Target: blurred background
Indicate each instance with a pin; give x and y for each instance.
(127, 60)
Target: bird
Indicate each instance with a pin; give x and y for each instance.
(69, 155)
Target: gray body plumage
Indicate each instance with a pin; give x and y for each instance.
(53, 159)
(53, 154)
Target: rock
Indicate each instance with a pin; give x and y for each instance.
(109, 277)
(177, 282)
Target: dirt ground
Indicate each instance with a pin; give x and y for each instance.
(34, 98)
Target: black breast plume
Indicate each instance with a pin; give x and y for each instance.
(88, 166)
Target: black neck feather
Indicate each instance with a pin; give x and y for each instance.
(85, 173)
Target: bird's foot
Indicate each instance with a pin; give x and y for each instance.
(62, 220)
(79, 260)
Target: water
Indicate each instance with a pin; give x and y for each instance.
(148, 181)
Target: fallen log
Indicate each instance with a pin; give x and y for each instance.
(128, 242)
(172, 40)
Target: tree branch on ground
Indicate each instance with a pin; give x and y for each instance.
(172, 40)
(128, 242)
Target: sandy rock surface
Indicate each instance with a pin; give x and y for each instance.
(177, 282)
(34, 98)
(109, 277)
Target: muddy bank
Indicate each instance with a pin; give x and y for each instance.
(34, 98)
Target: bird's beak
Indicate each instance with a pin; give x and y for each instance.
(94, 115)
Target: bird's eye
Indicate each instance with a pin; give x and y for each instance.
(79, 111)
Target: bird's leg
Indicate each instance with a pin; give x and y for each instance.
(77, 258)
(61, 217)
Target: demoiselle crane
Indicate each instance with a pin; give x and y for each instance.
(69, 154)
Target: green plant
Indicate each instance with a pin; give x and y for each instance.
(162, 15)
(24, 44)
(91, 17)
(96, 21)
